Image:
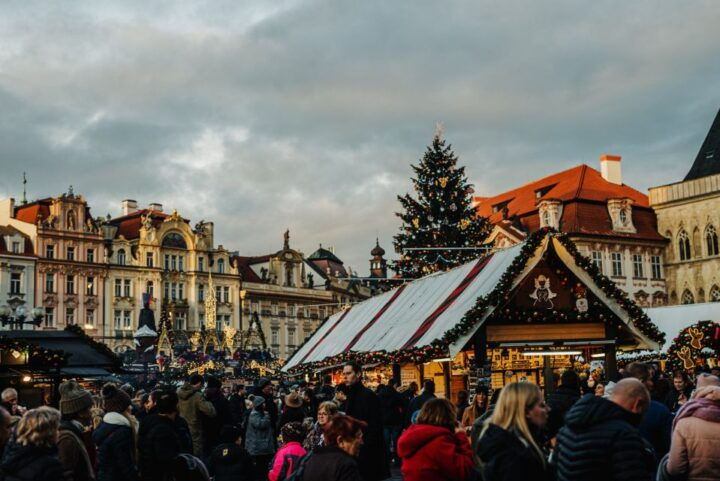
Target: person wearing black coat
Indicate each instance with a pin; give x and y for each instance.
(223, 415)
(601, 441)
(561, 400)
(237, 404)
(363, 404)
(506, 458)
(325, 392)
(31, 463)
(228, 461)
(292, 411)
(115, 439)
(330, 463)
(163, 435)
(680, 394)
(393, 409)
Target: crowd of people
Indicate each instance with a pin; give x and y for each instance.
(631, 429)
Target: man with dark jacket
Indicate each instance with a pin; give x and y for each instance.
(192, 407)
(161, 438)
(115, 439)
(237, 404)
(561, 400)
(75, 404)
(418, 402)
(393, 409)
(656, 426)
(229, 461)
(325, 392)
(265, 390)
(600, 440)
(223, 415)
(363, 404)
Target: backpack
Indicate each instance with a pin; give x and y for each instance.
(299, 472)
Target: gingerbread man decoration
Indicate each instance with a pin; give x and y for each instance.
(696, 335)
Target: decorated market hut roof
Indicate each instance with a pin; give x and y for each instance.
(671, 320)
(437, 315)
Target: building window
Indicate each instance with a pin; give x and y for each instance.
(50, 252)
(656, 267)
(49, 282)
(291, 337)
(180, 321)
(69, 316)
(201, 293)
(90, 317)
(15, 283)
(321, 312)
(173, 291)
(221, 266)
(715, 294)
(684, 245)
(597, 259)
(638, 271)
(121, 257)
(118, 319)
(181, 263)
(181, 291)
(306, 334)
(617, 267)
(127, 319)
(166, 290)
(274, 308)
(226, 294)
(149, 259)
(167, 262)
(201, 264)
(711, 240)
(70, 253)
(70, 285)
(90, 255)
(90, 286)
(49, 317)
(275, 337)
(118, 287)
(16, 248)
(150, 289)
(687, 297)
(291, 310)
(218, 294)
(127, 288)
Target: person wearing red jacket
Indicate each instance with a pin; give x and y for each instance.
(435, 448)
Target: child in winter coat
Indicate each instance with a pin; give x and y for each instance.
(228, 461)
(288, 457)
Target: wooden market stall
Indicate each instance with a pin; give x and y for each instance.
(521, 313)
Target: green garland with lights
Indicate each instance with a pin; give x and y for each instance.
(692, 344)
(500, 295)
(38, 357)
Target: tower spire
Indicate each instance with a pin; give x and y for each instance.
(24, 197)
(707, 161)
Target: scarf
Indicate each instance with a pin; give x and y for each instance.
(705, 405)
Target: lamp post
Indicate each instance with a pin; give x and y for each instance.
(17, 317)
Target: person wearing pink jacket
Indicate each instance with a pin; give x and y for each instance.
(288, 456)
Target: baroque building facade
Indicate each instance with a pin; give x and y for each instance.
(17, 271)
(290, 295)
(610, 222)
(163, 257)
(70, 273)
(688, 215)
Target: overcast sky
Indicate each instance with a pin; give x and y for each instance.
(307, 114)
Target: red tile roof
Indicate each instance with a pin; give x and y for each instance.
(30, 213)
(584, 194)
(129, 225)
(246, 272)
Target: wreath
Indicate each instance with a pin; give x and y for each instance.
(695, 345)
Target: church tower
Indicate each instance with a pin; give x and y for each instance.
(378, 264)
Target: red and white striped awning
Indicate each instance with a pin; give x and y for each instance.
(420, 312)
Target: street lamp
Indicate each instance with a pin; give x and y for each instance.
(18, 316)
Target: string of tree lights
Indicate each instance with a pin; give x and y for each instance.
(441, 216)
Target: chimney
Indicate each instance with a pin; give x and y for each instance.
(611, 169)
(155, 206)
(128, 206)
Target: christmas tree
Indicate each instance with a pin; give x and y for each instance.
(441, 216)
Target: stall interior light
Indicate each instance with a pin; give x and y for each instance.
(598, 356)
(442, 359)
(26, 378)
(551, 353)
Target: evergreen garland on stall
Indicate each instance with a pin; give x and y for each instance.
(100, 347)
(442, 215)
(37, 357)
(498, 296)
(701, 341)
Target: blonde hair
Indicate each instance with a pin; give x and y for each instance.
(515, 400)
(438, 412)
(330, 407)
(39, 427)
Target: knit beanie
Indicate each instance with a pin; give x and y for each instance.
(114, 399)
(292, 432)
(73, 398)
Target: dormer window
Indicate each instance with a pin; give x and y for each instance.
(550, 212)
(543, 190)
(500, 206)
(620, 211)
